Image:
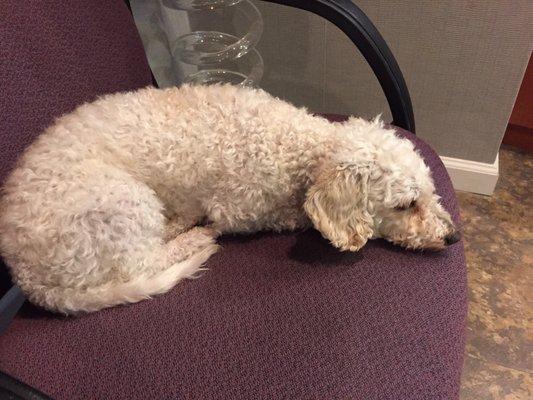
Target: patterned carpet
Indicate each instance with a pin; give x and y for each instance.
(498, 236)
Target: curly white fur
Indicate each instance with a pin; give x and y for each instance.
(99, 210)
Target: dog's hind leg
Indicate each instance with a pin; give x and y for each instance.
(110, 252)
(135, 276)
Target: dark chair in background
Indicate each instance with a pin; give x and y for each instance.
(277, 315)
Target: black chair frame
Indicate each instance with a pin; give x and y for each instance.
(355, 24)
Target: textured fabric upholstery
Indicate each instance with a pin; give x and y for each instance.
(57, 54)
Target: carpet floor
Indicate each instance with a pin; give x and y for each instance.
(498, 238)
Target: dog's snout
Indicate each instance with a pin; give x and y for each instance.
(452, 238)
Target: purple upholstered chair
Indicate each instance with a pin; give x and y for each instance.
(277, 316)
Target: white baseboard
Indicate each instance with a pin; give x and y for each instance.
(472, 176)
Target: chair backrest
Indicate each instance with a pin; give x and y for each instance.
(55, 55)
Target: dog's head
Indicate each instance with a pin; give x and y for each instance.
(380, 188)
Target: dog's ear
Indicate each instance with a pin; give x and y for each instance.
(337, 204)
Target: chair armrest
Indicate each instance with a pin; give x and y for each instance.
(10, 303)
(355, 24)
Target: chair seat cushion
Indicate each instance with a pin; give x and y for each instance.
(276, 316)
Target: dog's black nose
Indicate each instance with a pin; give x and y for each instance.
(452, 238)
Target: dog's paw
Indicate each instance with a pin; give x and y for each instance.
(173, 228)
(191, 242)
(206, 231)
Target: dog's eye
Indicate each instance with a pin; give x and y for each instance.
(406, 207)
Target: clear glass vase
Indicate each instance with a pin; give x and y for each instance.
(219, 46)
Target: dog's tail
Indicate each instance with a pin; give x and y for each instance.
(74, 300)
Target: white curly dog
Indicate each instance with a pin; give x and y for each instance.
(104, 207)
